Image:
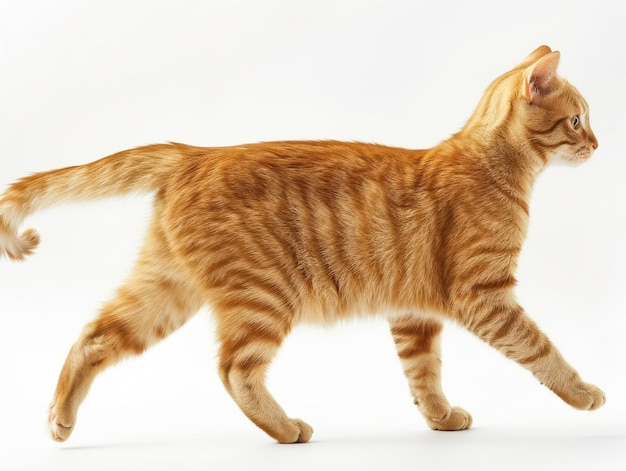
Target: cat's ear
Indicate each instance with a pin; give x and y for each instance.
(537, 54)
(542, 78)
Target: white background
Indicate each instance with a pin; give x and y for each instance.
(80, 79)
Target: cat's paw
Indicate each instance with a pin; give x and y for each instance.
(297, 431)
(60, 427)
(584, 396)
(455, 419)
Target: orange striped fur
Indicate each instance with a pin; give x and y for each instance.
(273, 234)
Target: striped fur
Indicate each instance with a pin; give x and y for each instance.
(273, 234)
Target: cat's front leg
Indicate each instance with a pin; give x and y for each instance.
(505, 326)
(417, 342)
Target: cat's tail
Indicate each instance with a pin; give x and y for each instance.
(143, 169)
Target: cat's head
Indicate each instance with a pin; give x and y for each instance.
(539, 111)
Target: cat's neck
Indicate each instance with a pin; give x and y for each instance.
(508, 165)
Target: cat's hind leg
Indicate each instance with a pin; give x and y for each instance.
(417, 341)
(250, 335)
(154, 302)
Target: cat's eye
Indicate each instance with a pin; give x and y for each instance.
(575, 122)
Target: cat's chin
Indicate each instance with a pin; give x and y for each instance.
(569, 160)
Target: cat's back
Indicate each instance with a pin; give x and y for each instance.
(303, 180)
(248, 174)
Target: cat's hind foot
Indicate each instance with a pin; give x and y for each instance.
(454, 419)
(297, 431)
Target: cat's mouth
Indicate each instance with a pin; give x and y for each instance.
(583, 153)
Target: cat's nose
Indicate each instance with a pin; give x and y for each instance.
(594, 142)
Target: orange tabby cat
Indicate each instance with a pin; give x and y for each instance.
(273, 234)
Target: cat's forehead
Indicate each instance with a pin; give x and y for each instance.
(571, 101)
